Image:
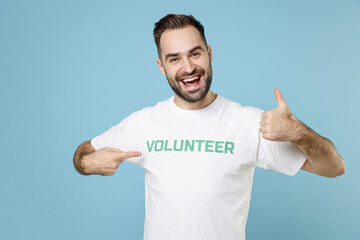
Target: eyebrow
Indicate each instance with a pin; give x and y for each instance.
(177, 54)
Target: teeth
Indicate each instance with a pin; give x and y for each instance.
(191, 79)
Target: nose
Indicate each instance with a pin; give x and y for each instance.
(188, 66)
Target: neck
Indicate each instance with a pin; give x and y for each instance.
(209, 98)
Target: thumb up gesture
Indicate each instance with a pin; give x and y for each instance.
(279, 124)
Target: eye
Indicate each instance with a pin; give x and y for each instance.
(195, 54)
(174, 59)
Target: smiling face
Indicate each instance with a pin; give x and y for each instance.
(186, 63)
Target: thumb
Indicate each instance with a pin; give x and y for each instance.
(280, 99)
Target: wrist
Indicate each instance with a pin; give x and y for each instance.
(300, 131)
(83, 163)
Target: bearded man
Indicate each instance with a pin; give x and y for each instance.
(198, 149)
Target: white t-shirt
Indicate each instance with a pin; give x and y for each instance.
(199, 166)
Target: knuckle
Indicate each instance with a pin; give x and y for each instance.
(272, 136)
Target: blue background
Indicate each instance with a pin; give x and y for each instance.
(71, 69)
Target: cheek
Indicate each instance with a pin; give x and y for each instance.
(171, 75)
(205, 64)
(170, 71)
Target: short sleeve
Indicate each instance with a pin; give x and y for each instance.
(116, 137)
(282, 157)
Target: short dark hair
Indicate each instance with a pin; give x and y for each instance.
(176, 21)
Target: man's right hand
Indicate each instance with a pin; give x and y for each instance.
(105, 161)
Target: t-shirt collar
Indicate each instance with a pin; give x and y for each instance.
(198, 112)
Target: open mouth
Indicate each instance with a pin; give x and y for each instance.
(192, 82)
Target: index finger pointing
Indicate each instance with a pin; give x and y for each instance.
(130, 154)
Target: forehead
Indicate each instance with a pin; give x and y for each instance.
(180, 40)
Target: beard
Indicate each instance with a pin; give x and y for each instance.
(194, 95)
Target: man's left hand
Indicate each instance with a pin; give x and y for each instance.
(279, 124)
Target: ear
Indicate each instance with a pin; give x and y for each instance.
(210, 53)
(161, 66)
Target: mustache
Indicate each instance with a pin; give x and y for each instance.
(194, 72)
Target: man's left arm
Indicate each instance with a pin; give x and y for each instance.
(280, 125)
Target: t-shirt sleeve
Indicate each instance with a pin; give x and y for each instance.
(123, 136)
(282, 157)
(116, 137)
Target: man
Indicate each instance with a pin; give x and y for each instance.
(198, 149)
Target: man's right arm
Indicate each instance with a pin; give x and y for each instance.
(104, 161)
